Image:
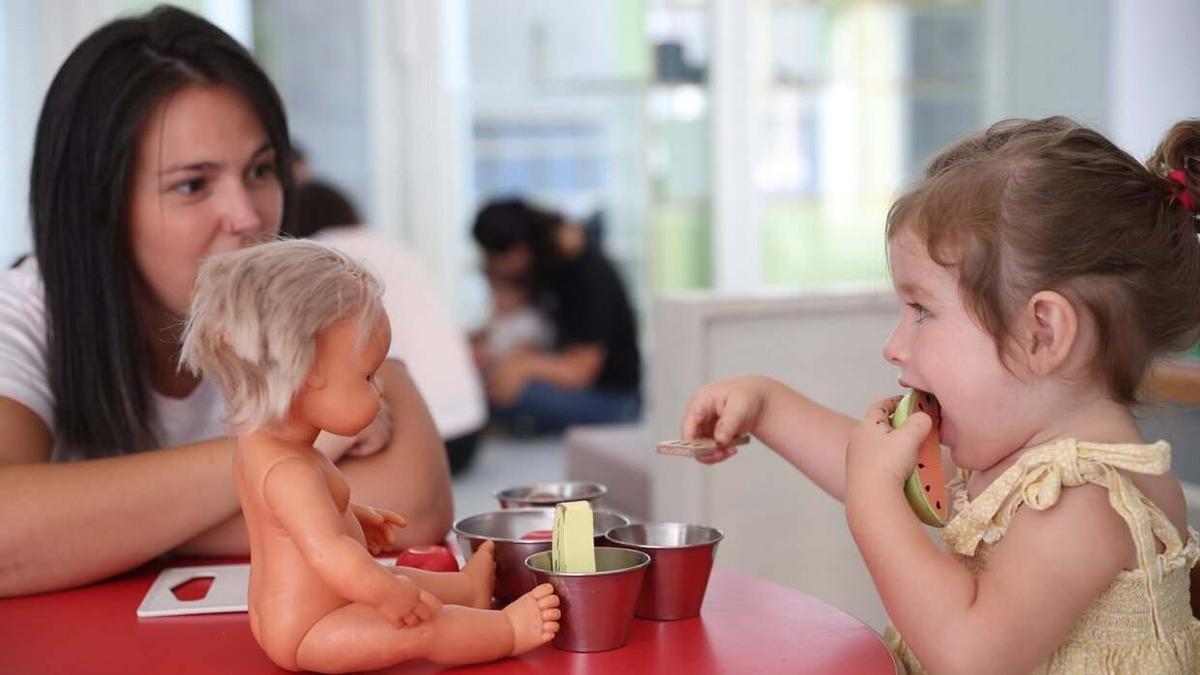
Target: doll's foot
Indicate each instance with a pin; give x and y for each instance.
(481, 570)
(534, 617)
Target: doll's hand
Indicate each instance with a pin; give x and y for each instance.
(408, 605)
(879, 455)
(378, 526)
(368, 442)
(722, 411)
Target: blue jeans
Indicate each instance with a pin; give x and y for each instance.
(544, 408)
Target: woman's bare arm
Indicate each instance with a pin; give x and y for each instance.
(410, 476)
(67, 524)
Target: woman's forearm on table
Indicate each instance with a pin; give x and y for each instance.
(385, 480)
(409, 476)
(73, 523)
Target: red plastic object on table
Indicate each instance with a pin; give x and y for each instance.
(428, 557)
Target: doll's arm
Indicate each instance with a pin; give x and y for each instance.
(1043, 574)
(297, 494)
(378, 525)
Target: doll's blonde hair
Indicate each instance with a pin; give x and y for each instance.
(255, 316)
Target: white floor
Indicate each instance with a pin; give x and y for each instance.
(503, 463)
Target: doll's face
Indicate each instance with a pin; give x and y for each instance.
(340, 394)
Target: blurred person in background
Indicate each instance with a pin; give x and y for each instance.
(593, 373)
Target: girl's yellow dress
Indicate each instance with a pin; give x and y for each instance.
(1143, 622)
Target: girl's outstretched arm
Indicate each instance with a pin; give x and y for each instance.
(805, 433)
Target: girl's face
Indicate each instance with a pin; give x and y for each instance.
(987, 411)
(204, 182)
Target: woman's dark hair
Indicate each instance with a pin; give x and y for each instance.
(319, 206)
(83, 160)
(505, 223)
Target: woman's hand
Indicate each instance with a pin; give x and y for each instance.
(879, 455)
(722, 411)
(368, 441)
(506, 379)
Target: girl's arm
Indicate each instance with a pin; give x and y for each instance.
(1048, 568)
(410, 476)
(73, 523)
(807, 434)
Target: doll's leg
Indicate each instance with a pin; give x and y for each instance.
(357, 637)
(469, 635)
(471, 587)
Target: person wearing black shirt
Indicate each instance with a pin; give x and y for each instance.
(593, 375)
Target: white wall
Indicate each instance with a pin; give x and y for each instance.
(1154, 80)
(322, 80)
(11, 239)
(1049, 57)
(1126, 67)
(417, 116)
(35, 38)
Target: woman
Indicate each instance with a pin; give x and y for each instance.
(160, 142)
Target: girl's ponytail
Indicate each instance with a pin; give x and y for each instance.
(1177, 161)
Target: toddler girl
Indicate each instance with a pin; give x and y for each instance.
(1041, 270)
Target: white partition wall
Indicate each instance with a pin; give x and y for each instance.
(778, 525)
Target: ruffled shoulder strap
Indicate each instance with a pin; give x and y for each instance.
(1037, 480)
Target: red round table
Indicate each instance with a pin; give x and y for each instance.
(747, 626)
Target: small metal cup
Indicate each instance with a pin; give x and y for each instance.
(597, 607)
(549, 494)
(506, 528)
(681, 559)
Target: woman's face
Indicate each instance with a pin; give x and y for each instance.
(204, 182)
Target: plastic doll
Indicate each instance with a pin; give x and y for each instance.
(293, 333)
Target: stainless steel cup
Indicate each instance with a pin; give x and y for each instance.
(681, 559)
(506, 528)
(549, 494)
(597, 606)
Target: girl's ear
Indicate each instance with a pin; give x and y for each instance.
(1049, 326)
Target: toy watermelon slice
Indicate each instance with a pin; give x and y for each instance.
(926, 487)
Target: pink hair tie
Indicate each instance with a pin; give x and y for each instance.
(1178, 177)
